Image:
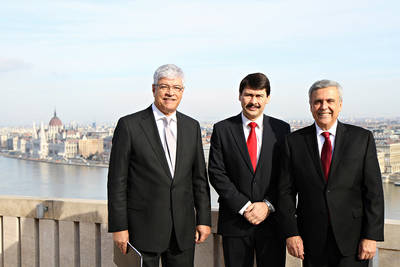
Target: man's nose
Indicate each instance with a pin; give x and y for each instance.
(169, 92)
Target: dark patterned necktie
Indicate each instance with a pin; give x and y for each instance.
(326, 155)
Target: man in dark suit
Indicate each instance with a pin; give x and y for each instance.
(242, 162)
(333, 170)
(157, 183)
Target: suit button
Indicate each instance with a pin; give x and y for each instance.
(328, 191)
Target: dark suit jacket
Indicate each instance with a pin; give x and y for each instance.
(142, 196)
(232, 175)
(352, 199)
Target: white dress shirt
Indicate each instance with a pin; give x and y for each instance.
(321, 138)
(259, 133)
(159, 117)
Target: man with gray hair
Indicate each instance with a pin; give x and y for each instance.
(158, 192)
(333, 170)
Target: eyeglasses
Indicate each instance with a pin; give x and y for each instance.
(166, 87)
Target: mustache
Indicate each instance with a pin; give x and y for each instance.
(250, 105)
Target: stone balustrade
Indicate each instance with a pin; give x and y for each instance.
(73, 232)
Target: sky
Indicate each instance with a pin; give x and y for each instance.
(94, 60)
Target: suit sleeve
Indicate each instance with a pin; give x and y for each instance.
(201, 188)
(117, 179)
(287, 195)
(373, 221)
(219, 179)
(272, 194)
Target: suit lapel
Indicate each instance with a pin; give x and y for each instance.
(179, 141)
(149, 127)
(312, 145)
(340, 143)
(268, 140)
(238, 135)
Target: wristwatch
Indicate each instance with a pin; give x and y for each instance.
(270, 206)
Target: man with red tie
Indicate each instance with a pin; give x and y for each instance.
(333, 170)
(243, 168)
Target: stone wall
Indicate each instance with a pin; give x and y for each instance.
(73, 232)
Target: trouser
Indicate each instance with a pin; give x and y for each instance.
(239, 251)
(331, 256)
(171, 257)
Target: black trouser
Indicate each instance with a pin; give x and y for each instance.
(239, 251)
(171, 257)
(331, 257)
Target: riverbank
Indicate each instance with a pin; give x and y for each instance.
(59, 162)
(32, 178)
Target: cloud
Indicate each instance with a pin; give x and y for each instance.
(11, 64)
(87, 49)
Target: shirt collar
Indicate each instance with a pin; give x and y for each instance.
(259, 120)
(332, 130)
(158, 115)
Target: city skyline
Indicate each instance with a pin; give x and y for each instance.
(99, 123)
(94, 60)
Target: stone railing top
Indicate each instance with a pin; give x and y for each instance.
(83, 210)
(95, 211)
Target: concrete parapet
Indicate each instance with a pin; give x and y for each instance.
(68, 234)
(29, 242)
(12, 249)
(73, 232)
(48, 243)
(82, 210)
(389, 250)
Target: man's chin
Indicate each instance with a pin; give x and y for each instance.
(167, 110)
(251, 115)
(325, 120)
(324, 124)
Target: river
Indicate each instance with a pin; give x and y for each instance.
(47, 180)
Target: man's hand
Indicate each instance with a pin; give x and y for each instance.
(121, 239)
(366, 249)
(295, 246)
(202, 232)
(256, 213)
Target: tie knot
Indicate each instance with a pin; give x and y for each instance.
(167, 121)
(253, 125)
(326, 135)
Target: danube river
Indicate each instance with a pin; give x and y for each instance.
(40, 179)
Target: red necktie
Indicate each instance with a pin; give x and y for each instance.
(252, 145)
(326, 154)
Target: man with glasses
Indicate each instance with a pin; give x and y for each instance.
(243, 170)
(158, 193)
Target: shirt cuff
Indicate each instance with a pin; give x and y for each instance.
(241, 211)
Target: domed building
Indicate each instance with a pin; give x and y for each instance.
(55, 121)
(55, 127)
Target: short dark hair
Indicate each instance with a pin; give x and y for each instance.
(255, 81)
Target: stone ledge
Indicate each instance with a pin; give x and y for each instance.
(392, 236)
(84, 210)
